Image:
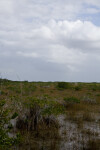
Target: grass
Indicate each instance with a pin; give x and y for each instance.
(39, 101)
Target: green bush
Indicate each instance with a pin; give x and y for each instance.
(63, 85)
(56, 109)
(5, 140)
(71, 99)
(78, 88)
(45, 105)
(14, 115)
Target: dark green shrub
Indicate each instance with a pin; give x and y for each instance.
(5, 141)
(71, 99)
(77, 88)
(63, 85)
(14, 115)
(53, 109)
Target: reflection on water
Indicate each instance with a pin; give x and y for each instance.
(40, 145)
(73, 137)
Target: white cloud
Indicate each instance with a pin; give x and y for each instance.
(25, 54)
(57, 40)
(36, 33)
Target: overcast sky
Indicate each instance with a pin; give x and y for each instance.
(50, 40)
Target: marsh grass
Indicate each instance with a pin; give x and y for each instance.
(88, 117)
(39, 101)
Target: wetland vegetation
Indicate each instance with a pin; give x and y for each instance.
(49, 115)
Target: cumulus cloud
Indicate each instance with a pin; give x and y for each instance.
(49, 39)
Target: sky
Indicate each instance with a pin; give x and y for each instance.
(50, 40)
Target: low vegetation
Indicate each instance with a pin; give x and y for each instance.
(34, 110)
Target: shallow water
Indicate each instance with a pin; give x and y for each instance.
(72, 137)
